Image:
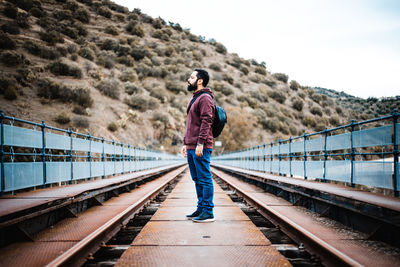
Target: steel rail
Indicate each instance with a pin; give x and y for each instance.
(329, 254)
(77, 254)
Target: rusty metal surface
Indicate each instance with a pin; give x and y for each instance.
(73, 231)
(178, 214)
(202, 256)
(181, 202)
(336, 189)
(271, 199)
(349, 244)
(169, 239)
(32, 253)
(192, 195)
(221, 232)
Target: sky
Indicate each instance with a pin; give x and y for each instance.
(345, 45)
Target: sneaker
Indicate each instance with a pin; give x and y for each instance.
(204, 217)
(194, 214)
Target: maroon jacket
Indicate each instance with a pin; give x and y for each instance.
(199, 120)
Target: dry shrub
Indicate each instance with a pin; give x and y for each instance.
(62, 118)
(10, 93)
(109, 88)
(110, 29)
(80, 122)
(82, 14)
(174, 87)
(334, 120)
(104, 11)
(135, 29)
(112, 127)
(220, 48)
(128, 76)
(65, 69)
(40, 51)
(10, 11)
(87, 52)
(277, 95)
(51, 37)
(142, 102)
(80, 110)
(132, 88)
(316, 98)
(22, 20)
(6, 42)
(298, 104)
(244, 70)
(281, 77)
(309, 121)
(52, 90)
(294, 85)
(161, 117)
(139, 52)
(215, 66)
(11, 28)
(11, 58)
(227, 78)
(316, 111)
(260, 70)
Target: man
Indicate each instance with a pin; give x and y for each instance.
(198, 143)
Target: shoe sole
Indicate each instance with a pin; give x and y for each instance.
(204, 221)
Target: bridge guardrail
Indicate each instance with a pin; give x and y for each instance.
(47, 155)
(338, 154)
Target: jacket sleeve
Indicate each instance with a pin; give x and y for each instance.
(206, 105)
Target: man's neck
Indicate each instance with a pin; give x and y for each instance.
(198, 89)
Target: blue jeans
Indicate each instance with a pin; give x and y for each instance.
(201, 175)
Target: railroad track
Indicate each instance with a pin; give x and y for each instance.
(330, 253)
(71, 241)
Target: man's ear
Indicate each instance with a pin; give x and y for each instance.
(200, 81)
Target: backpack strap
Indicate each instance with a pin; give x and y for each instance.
(194, 99)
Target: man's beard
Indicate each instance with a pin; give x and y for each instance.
(191, 87)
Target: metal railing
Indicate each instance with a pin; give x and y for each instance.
(42, 155)
(356, 153)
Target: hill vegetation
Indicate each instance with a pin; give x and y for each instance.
(97, 67)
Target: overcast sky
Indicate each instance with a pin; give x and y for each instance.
(345, 45)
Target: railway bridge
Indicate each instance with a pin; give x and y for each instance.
(329, 198)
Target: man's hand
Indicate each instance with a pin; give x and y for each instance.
(184, 151)
(199, 150)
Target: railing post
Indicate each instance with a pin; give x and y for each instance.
(70, 155)
(134, 158)
(353, 152)
(325, 151)
(265, 157)
(90, 156)
(272, 159)
(305, 156)
(129, 158)
(43, 153)
(280, 157)
(102, 160)
(2, 152)
(290, 156)
(113, 158)
(121, 157)
(395, 152)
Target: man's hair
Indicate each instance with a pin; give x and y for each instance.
(202, 74)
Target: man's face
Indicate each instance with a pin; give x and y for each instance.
(192, 81)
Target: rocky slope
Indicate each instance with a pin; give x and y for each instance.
(96, 67)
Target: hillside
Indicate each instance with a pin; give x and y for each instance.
(96, 67)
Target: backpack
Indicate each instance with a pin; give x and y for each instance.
(220, 118)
